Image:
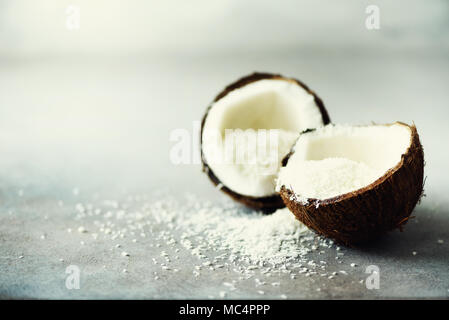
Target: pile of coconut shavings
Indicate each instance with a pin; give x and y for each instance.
(251, 237)
(221, 235)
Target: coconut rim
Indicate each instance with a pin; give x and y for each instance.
(373, 185)
(273, 200)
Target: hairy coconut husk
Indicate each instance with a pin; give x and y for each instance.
(364, 214)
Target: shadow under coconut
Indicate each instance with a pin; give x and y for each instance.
(426, 235)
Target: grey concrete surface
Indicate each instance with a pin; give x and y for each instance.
(102, 126)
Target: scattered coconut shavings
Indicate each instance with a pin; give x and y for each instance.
(254, 237)
(221, 235)
(82, 230)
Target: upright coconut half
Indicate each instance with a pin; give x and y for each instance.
(354, 183)
(249, 128)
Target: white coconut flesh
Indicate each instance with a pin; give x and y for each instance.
(335, 159)
(279, 105)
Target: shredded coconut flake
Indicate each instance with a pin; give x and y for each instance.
(221, 235)
(327, 178)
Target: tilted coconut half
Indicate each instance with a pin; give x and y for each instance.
(354, 183)
(258, 108)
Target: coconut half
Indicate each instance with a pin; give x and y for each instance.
(354, 183)
(249, 128)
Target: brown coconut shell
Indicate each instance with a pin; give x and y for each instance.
(268, 203)
(367, 213)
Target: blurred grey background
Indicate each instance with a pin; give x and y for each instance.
(92, 89)
(90, 92)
